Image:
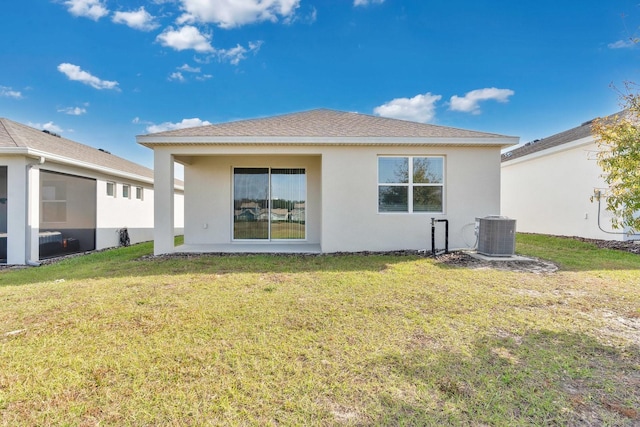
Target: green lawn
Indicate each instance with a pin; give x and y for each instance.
(121, 338)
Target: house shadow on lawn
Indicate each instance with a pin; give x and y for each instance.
(136, 261)
(542, 378)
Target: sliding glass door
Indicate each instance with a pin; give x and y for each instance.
(3, 214)
(269, 204)
(288, 194)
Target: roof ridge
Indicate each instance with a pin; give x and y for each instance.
(325, 122)
(556, 139)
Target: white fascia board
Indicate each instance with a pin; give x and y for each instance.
(366, 141)
(36, 154)
(550, 151)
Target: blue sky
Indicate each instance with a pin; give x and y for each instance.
(102, 71)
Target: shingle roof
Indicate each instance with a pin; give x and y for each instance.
(15, 135)
(322, 123)
(574, 134)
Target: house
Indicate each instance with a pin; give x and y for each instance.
(297, 214)
(351, 182)
(548, 184)
(59, 196)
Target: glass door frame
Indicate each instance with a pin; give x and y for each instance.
(269, 238)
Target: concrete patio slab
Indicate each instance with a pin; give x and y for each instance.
(483, 257)
(241, 247)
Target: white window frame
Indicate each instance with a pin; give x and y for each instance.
(139, 193)
(410, 185)
(113, 187)
(126, 191)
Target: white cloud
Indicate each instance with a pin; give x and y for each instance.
(187, 37)
(229, 14)
(470, 102)
(313, 16)
(420, 108)
(366, 2)
(623, 44)
(49, 126)
(139, 121)
(188, 69)
(73, 111)
(73, 72)
(185, 123)
(92, 9)
(139, 19)
(8, 92)
(238, 53)
(176, 76)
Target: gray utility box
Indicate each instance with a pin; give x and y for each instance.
(496, 236)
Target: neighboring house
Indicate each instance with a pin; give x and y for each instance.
(59, 196)
(353, 182)
(297, 213)
(547, 186)
(279, 214)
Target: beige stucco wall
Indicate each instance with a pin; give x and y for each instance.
(472, 189)
(208, 197)
(343, 194)
(549, 192)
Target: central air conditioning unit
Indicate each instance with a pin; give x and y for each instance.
(496, 236)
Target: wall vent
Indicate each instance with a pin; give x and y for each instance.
(496, 236)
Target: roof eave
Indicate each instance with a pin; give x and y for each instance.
(36, 154)
(499, 141)
(587, 140)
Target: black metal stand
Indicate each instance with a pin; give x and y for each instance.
(434, 252)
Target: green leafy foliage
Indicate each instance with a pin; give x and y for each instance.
(618, 139)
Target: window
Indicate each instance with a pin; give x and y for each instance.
(411, 184)
(111, 189)
(139, 193)
(125, 191)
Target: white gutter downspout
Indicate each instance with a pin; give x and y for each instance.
(29, 230)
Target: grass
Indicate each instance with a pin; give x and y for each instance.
(574, 254)
(260, 230)
(117, 338)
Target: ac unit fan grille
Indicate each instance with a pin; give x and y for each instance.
(496, 236)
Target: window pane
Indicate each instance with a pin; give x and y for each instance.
(427, 199)
(125, 191)
(3, 213)
(250, 203)
(428, 170)
(139, 193)
(111, 189)
(288, 197)
(393, 198)
(393, 170)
